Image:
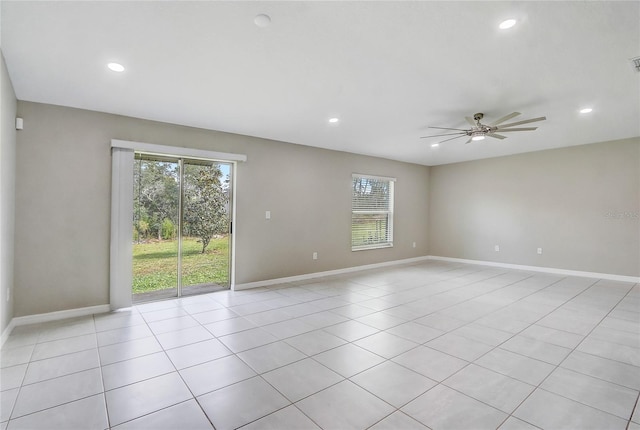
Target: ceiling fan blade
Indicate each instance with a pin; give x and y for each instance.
(502, 130)
(496, 136)
(446, 140)
(446, 134)
(446, 128)
(470, 120)
(524, 121)
(504, 118)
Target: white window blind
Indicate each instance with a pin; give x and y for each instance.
(371, 212)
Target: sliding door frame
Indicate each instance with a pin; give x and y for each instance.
(121, 261)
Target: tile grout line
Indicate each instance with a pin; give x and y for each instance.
(533, 323)
(438, 383)
(572, 350)
(104, 388)
(13, 407)
(344, 292)
(239, 358)
(635, 407)
(310, 357)
(51, 379)
(164, 351)
(395, 409)
(319, 311)
(246, 379)
(494, 347)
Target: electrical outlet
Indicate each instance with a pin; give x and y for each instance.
(267, 215)
(497, 248)
(539, 251)
(315, 255)
(414, 244)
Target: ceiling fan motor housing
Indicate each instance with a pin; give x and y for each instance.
(479, 130)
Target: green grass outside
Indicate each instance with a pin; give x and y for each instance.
(366, 232)
(155, 264)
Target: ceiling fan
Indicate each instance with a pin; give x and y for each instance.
(478, 131)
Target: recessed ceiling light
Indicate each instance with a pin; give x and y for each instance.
(262, 20)
(334, 120)
(508, 23)
(116, 67)
(435, 145)
(586, 110)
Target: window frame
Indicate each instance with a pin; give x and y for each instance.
(389, 213)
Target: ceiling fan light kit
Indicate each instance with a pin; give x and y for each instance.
(479, 131)
(506, 24)
(477, 135)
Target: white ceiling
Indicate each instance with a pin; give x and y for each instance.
(386, 69)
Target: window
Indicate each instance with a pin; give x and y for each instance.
(371, 212)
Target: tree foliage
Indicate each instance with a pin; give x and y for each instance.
(205, 203)
(157, 195)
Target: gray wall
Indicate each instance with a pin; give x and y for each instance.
(63, 202)
(7, 192)
(580, 204)
(561, 200)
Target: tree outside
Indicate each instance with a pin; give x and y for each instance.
(206, 201)
(156, 194)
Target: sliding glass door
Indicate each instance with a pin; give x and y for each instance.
(182, 211)
(156, 214)
(205, 225)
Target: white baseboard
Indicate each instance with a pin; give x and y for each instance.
(51, 316)
(60, 315)
(7, 332)
(314, 275)
(72, 313)
(608, 276)
(552, 270)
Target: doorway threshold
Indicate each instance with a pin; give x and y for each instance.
(170, 293)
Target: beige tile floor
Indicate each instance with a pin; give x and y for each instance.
(432, 345)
